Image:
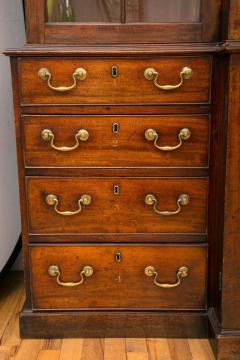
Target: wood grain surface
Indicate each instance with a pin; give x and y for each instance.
(127, 148)
(231, 249)
(123, 213)
(99, 87)
(121, 284)
(12, 347)
(234, 15)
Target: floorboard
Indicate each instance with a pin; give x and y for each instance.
(12, 297)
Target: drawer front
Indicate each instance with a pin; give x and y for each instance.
(178, 141)
(107, 283)
(118, 205)
(101, 86)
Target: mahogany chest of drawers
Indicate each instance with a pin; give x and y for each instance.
(128, 164)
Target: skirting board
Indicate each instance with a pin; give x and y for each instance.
(92, 324)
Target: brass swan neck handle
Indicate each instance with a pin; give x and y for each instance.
(152, 135)
(52, 200)
(45, 75)
(182, 272)
(81, 135)
(54, 270)
(151, 200)
(152, 74)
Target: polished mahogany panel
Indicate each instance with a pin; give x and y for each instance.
(103, 86)
(117, 206)
(116, 141)
(118, 279)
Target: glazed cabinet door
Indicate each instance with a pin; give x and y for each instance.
(122, 21)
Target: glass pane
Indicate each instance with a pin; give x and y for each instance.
(83, 10)
(163, 11)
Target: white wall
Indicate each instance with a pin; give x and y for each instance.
(12, 34)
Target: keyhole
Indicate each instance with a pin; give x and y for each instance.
(115, 128)
(114, 71)
(118, 257)
(116, 190)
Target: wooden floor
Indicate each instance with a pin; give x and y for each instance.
(12, 297)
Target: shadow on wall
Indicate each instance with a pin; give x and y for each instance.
(12, 34)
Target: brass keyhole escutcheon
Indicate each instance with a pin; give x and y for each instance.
(115, 128)
(118, 257)
(116, 190)
(114, 71)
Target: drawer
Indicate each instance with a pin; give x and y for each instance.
(118, 205)
(99, 85)
(115, 277)
(116, 141)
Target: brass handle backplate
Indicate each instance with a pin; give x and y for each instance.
(151, 200)
(52, 200)
(152, 135)
(152, 74)
(86, 271)
(182, 272)
(45, 75)
(81, 135)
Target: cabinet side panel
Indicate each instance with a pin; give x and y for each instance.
(217, 177)
(231, 250)
(21, 171)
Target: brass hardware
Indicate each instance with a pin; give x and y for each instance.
(152, 135)
(116, 190)
(45, 75)
(52, 200)
(114, 71)
(86, 271)
(151, 200)
(82, 135)
(152, 74)
(182, 272)
(118, 257)
(115, 128)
